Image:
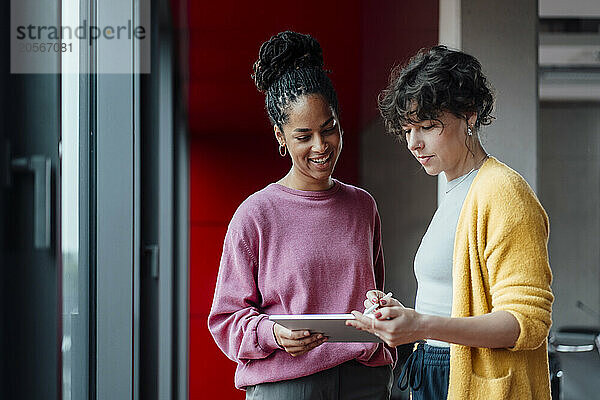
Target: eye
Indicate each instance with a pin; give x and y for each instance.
(428, 127)
(302, 138)
(331, 128)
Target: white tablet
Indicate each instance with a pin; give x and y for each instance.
(331, 325)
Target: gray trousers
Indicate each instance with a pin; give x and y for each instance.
(348, 381)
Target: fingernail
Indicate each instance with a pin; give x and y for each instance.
(306, 333)
(382, 302)
(377, 314)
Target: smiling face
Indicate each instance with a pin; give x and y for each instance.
(440, 145)
(313, 138)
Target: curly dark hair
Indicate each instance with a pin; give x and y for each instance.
(290, 65)
(436, 79)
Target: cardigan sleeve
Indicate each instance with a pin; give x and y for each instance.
(235, 321)
(516, 260)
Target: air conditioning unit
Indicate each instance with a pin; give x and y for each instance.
(569, 66)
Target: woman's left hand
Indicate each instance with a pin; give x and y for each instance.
(395, 325)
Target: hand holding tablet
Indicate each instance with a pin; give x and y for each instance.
(332, 326)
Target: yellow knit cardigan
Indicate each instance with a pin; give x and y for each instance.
(501, 263)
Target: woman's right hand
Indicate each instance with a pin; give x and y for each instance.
(373, 297)
(297, 342)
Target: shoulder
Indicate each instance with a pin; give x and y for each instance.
(356, 194)
(254, 208)
(501, 191)
(497, 182)
(258, 200)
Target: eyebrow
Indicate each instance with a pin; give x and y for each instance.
(415, 123)
(324, 124)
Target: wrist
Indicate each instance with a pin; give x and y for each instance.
(265, 337)
(424, 326)
(275, 337)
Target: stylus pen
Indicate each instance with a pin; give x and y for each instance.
(374, 306)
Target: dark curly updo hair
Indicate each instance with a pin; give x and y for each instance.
(435, 80)
(290, 65)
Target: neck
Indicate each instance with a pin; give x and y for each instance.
(468, 163)
(293, 180)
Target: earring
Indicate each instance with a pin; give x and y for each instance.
(469, 131)
(283, 152)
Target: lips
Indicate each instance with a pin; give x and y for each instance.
(320, 161)
(424, 159)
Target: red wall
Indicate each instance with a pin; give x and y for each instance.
(233, 151)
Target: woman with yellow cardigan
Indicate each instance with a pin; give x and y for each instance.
(483, 306)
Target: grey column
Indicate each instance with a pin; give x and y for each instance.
(503, 37)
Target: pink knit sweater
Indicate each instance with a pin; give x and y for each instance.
(288, 251)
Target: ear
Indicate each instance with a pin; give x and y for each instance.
(279, 135)
(471, 118)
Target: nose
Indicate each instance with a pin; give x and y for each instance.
(319, 144)
(413, 141)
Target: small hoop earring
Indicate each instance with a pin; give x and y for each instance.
(283, 152)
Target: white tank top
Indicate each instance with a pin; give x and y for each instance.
(433, 261)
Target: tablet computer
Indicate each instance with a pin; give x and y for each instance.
(331, 325)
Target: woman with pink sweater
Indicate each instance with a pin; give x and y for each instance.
(306, 244)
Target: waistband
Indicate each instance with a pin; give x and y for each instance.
(436, 356)
(413, 369)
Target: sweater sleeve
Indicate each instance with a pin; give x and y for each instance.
(379, 268)
(378, 264)
(516, 259)
(235, 321)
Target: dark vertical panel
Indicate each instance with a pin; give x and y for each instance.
(4, 72)
(570, 192)
(182, 261)
(159, 207)
(31, 310)
(149, 228)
